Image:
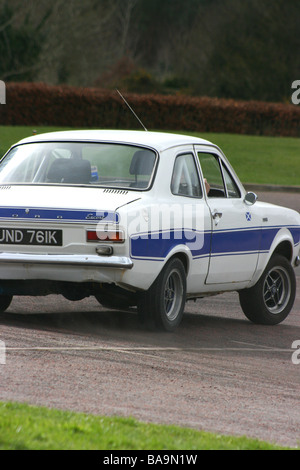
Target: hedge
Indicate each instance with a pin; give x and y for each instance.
(41, 104)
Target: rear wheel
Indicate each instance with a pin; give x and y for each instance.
(5, 301)
(270, 301)
(163, 304)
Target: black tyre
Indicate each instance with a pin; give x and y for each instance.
(271, 299)
(163, 304)
(5, 301)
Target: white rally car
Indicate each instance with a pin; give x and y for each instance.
(140, 219)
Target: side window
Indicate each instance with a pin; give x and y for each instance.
(232, 189)
(185, 179)
(213, 174)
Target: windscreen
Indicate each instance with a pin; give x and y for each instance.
(105, 165)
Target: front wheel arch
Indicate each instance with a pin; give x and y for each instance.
(282, 245)
(285, 249)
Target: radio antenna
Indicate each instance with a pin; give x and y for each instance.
(127, 104)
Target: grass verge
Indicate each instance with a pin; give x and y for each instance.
(25, 427)
(260, 160)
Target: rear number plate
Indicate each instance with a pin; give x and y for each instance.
(24, 236)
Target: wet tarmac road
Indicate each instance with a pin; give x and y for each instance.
(217, 372)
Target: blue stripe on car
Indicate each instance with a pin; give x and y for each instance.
(157, 245)
(59, 215)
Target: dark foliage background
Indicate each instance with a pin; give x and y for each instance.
(241, 49)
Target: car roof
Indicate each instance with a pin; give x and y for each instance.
(156, 140)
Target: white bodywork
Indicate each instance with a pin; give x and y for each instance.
(234, 240)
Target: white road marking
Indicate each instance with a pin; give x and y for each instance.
(251, 344)
(145, 349)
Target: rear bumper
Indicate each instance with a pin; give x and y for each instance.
(94, 261)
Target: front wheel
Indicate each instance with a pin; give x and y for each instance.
(271, 299)
(163, 304)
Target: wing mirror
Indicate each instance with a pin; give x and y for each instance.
(250, 199)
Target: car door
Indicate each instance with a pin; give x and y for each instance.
(236, 229)
(192, 216)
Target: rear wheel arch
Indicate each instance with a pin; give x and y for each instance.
(184, 259)
(183, 254)
(162, 305)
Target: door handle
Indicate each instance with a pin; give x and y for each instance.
(217, 216)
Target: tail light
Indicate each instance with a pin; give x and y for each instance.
(112, 236)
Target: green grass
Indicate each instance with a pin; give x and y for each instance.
(262, 160)
(25, 427)
(9, 135)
